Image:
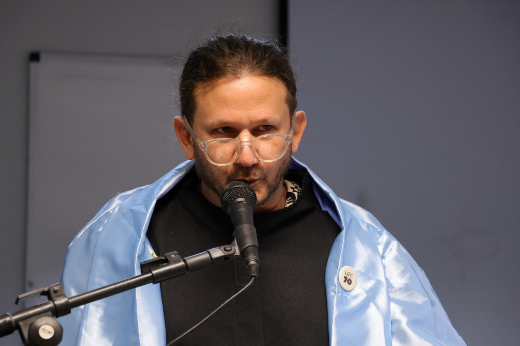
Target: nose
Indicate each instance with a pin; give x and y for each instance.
(246, 158)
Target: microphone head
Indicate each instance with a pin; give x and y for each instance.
(237, 189)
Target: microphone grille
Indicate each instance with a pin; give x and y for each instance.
(237, 189)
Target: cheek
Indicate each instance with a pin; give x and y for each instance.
(272, 170)
(222, 174)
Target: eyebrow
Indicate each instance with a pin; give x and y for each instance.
(261, 121)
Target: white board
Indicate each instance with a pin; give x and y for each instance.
(98, 125)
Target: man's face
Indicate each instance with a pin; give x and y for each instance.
(243, 109)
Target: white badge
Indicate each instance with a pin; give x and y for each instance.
(347, 278)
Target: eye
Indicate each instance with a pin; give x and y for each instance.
(225, 129)
(265, 127)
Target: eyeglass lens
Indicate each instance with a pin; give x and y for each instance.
(268, 148)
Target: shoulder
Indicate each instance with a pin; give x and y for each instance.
(364, 226)
(122, 221)
(138, 201)
(361, 215)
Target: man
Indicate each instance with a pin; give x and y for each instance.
(329, 273)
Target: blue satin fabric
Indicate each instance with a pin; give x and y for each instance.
(392, 304)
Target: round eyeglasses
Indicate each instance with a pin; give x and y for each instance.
(225, 151)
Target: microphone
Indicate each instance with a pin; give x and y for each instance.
(238, 200)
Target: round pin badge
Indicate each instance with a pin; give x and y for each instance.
(347, 278)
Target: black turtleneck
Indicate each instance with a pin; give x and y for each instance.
(286, 306)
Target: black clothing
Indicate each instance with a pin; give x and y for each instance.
(287, 304)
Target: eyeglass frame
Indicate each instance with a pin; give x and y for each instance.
(203, 145)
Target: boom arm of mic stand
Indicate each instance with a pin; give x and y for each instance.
(171, 264)
(29, 321)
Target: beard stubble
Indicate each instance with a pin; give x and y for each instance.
(206, 176)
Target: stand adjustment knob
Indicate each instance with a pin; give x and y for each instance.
(45, 331)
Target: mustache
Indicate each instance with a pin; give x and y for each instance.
(247, 174)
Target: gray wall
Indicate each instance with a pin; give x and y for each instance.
(133, 28)
(414, 114)
(415, 105)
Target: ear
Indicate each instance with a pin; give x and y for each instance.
(184, 137)
(301, 122)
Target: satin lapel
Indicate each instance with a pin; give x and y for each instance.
(361, 316)
(123, 237)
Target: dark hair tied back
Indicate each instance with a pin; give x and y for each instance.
(234, 56)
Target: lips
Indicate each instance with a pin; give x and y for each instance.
(250, 182)
(248, 176)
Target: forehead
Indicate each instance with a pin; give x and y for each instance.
(248, 98)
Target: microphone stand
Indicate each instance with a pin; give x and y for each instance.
(38, 326)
